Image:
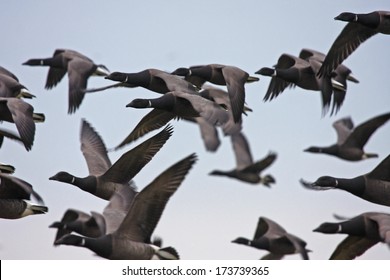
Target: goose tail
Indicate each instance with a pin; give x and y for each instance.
(167, 253)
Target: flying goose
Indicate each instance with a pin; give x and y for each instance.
(132, 239)
(79, 69)
(350, 140)
(272, 237)
(373, 186)
(231, 76)
(359, 28)
(364, 231)
(15, 110)
(209, 132)
(246, 170)
(15, 194)
(104, 179)
(291, 71)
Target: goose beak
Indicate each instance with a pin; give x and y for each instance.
(307, 184)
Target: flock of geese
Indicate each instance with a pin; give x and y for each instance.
(124, 229)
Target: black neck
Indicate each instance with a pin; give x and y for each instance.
(165, 102)
(355, 186)
(102, 246)
(88, 184)
(290, 75)
(141, 79)
(331, 150)
(260, 243)
(204, 72)
(371, 20)
(355, 226)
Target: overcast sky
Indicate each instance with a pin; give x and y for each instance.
(207, 212)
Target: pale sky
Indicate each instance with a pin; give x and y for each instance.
(207, 212)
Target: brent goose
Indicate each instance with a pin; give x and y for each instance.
(272, 237)
(350, 140)
(79, 69)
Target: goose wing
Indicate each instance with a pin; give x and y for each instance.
(131, 162)
(94, 150)
(352, 35)
(149, 204)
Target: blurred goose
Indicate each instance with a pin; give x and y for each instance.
(364, 231)
(231, 76)
(373, 186)
(10, 86)
(359, 28)
(104, 179)
(350, 140)
(14, 196)
(73, 220)
(132, 239)
(79, 69)
(97, 224)
(221, 97)
(293, 71)
(15, 110)
(246, 170)
(272, 237)
(208, 130)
